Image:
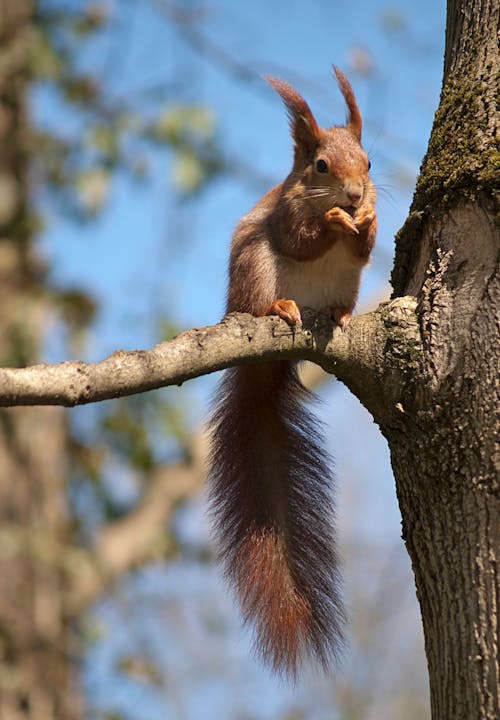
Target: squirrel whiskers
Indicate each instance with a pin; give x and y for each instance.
(304, 244)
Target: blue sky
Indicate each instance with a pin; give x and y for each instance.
(138, 236)
(149, 251)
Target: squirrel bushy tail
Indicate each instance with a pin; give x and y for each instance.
(270, 493)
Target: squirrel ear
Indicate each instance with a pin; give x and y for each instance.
(354, 121)
(305, 130)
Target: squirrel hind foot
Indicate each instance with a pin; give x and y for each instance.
(340, 315)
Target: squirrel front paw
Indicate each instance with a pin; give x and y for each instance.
(364, 217)
(338, 216)
(287, 310)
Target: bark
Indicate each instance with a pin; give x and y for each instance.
(447, 466)
(443, 450)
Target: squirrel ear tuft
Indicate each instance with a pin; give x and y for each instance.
(354, 121)
(305, 130)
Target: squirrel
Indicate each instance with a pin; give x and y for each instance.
(305, 243)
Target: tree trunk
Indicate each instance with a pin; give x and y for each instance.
(35, 679)
(443, 449)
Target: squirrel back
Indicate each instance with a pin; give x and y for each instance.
(305, 243)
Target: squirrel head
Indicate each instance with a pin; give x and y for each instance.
(330, 167)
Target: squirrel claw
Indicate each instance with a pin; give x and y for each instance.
(340, 315)
(338, 216)
(364, 218)
(287, 310)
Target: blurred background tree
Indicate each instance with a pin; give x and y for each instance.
(132, 137)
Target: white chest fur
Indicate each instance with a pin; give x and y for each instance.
(332, 280)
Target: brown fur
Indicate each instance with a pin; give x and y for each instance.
(354, 120)
(271, 500)
(270, 480)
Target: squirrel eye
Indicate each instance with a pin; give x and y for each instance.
(369, 164)
(321, 166)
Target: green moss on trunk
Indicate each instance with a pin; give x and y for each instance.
(462, 156)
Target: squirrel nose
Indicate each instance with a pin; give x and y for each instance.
(353, 195)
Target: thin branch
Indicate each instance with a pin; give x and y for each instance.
(193, 353)
(353, 356)
(138, 538)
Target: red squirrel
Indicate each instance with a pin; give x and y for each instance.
(305, 243)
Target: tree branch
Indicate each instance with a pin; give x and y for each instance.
(138, 538)
(355, 356)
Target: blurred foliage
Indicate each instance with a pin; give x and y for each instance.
(79, 151)
(77, 164)
(131, 437)
(126, 430)
(140, 668)
(95, 137)
(393, 19)
(77, 308)
(191, 130)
